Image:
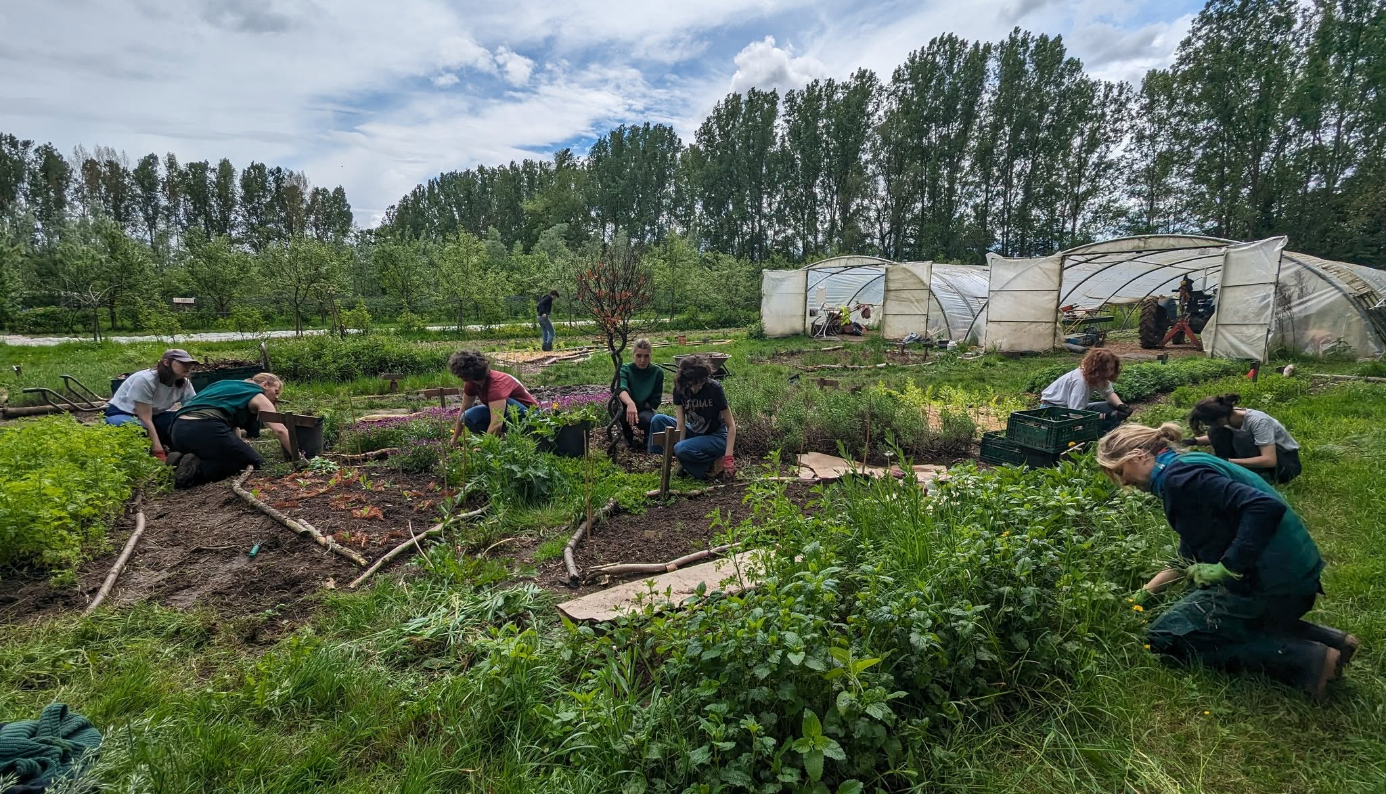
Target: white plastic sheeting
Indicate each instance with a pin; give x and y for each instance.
(1241, 326)
(955, 297)
(782, 301)
(905, 309)
(1022, 313)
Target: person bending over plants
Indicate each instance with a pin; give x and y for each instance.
(1098, 370)
(149, 398)
(487, 395)
(206, 442)
(1254, 568)
(641, 387)
(703, 420)
(1246, 437)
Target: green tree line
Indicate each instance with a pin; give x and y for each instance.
(1271, 120)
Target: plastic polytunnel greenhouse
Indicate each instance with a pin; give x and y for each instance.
(1264, 296)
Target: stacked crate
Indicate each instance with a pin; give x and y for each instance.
(1039, 437)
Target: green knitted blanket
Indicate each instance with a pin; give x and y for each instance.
(38, 751)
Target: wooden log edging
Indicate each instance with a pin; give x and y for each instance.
(298, 526)
(378, 454)
(109, 584)
(412, 543)
(621, 569)
(1365, 378)
(574, 578)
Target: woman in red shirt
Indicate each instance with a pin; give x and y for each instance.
(487, 396)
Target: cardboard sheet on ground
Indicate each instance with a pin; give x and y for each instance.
(816, 465)
(670, 589)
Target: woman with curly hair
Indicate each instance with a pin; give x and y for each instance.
(1254, 568)
(703, 420)
(1246, 437)
(487, 396)
(1095, 375)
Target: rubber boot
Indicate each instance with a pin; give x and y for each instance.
(1346, 644)
(1317, 683)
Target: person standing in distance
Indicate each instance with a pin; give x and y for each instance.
(545, 324)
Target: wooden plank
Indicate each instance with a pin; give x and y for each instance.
(669, 589)
(831, 467)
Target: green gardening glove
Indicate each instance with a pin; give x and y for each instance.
(1207, 574)
(1140, 597)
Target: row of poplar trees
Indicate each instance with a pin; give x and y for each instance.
(1271, 120)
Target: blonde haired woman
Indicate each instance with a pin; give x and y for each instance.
(1254, 566)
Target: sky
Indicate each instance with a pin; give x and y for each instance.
(380, 96)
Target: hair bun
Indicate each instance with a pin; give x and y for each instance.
(1171, 432)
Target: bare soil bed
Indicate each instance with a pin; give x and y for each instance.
(195, 551)
(660, 534)
(367, 508)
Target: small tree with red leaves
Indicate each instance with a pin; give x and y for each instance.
(614, 285)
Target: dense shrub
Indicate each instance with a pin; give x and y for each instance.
(887, 621)
(773, 414)
(327, 358)
(509, 470)
(62, 483)
(1143, 381)
(44, 320)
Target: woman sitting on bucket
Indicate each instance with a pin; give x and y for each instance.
(1246, 437)
(1098, 370)
(703, 420)
(1254, 567)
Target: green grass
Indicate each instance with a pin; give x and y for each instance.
(403, 687)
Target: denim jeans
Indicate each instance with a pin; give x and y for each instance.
(478, 418)
(658, 424)
(546, 332)
(696, 454)
(163, 422)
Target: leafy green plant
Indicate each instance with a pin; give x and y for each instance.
(62, 484)
(508, 469)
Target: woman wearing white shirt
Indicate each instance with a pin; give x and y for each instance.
(1095, 375)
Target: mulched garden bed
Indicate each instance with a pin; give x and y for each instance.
(660, 534)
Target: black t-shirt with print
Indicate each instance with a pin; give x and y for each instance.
(702, 412)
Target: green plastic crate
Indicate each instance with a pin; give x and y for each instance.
(999, 450)
(1052, 429)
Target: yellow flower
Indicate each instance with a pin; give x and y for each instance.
(1146, 646)
(1206, 713)
(1073, 443)
(1137, 608)
(555, 406)
(1004, 534)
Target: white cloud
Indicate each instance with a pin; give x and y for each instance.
(352, 91)
(761, 64)
(513, 65)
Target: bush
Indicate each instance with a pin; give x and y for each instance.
(45, 320)
(325, 358)
(886, 622)
(509, 470)
(62, 483)
(1143, 381)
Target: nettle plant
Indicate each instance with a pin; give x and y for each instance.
(886, 620)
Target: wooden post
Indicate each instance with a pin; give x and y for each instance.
(827, 383)
(669, 436)
(393, 378)
(292, 422)
(442, 394)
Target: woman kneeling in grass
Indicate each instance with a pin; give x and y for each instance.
(487, 395)
(1095, 375)
(703, 420)
(206, 444)
(1246, 437)
(1254, 566)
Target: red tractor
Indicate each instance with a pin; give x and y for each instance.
(1172, 318)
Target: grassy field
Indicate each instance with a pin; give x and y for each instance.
(462, 678)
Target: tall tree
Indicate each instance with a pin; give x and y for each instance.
(148, 197)
(218, 271)
(222, 216)
(255, 216)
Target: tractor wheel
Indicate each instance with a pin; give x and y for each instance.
(1154, 323)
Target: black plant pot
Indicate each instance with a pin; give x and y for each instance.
(569, 441)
